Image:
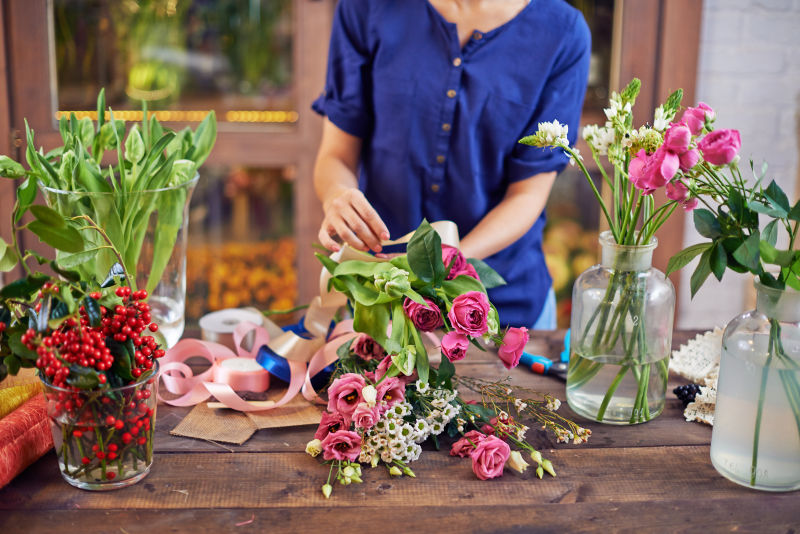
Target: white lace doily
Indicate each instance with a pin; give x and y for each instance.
(698, 361)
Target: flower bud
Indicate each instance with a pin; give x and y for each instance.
(539, 472)
(326, 490)
(548, 467)
(407, 470)
(395, 471)
(370, 395)
(536, 456)
(348, 472)
(516, 462)
(314, 447)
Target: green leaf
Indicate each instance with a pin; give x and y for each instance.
(706, 223)
(425, 254)
(682, 258)
(795, 213)
(69, 261)
(372, 320)
(422, 364)
(203, 139)
(83, 377)
(701, 272)
(359, 293)
(771, 255)
(134, 145)
(93, 313)
(86, 131)
(445, 373)
(770, 233)
(67, 239)
(26, 193)
(367, 269)
(631, 90)
(673, 102)
(718, 260)
(48, 216)
(24, 287)
(748, 253)
(460, 285)
(777, 197)
(10, 168)
(760, 207)
(8, 257)
(19, 348)
(397, 340)
(72, 276)
(326, 262)
(12, 364)
(489, 277)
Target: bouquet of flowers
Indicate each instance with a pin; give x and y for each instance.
(385, 399)
(671, 154)
(91, 342)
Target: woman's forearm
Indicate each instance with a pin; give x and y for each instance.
(511, 218)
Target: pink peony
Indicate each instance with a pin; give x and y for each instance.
(689, 204)
(392, 390)
(676, 190)
(454, 346)
(365, 416)
(695, 118)
(489, 458)
(341, 445)
(677, 138)
(720, 146)
(467, 444)
(648, 173)
(426, 318)
(345, 394)
(367, 348)
(688, 159)
(468, 313)
(331, 422)
(513, 344)
(452, 258)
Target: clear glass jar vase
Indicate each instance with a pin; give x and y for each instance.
(621, 336)
(104, 437)
(149, 229)
(756, 437)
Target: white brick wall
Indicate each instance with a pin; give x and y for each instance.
(749, 72)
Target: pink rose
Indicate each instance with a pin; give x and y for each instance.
(676, 190)
(469, 270)
(487, 429)
(341, 445)
(513, 345)
(330, 422)
(695, 118)
(689, 204)
(720, 146)
(468, 313)
(489, 458)
(648, 173)
(367, 348)
(677, 138)
(454, 346)
(467, 444)
(345, 394)
(452, 258)
(426, 318)
(365, 416)
(688, 159)
(392, 390)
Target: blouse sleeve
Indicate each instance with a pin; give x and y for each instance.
(561, 100)
(345, 100)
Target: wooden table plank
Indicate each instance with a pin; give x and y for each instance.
(288, 480)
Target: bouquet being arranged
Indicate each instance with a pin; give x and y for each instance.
(385, 399)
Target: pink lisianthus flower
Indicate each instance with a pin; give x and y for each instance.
(365, 416)
(468, 313)
(454, 346)
(367, 348)
(426, 318)
(390, 392)
(341, 445)
(330, 422)
(676, 139)
(675, 190)
(720, 146)
(695, 118)
(467, 444)
(345, 394)
(489, 458)
(513, 345)
(688, 159)
(649, 173)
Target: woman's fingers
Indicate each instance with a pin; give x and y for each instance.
(354, 220)
(370, 217)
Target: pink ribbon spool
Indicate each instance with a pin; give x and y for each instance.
(241, 374)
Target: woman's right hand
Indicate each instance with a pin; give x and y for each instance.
(350, 216)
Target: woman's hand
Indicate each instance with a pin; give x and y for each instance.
(348, 214)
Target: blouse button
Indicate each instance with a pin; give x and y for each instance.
(477, 36)
(446, 127)
(451, 93)
(440, 158)
(457, 62)
(435, 188)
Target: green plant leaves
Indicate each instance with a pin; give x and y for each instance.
(67, 238)
(748, 252)
(718, 260)
(134, 145)
(489, 277)
(84, 377)
(10, 168)
(24, 287)
(425, 254)
(706, 223)
(682, 258)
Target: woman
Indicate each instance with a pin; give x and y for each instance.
(425, 101)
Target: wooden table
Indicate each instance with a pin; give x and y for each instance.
(654, 477)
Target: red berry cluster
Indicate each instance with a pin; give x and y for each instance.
(76, 342)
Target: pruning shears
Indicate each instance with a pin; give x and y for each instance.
(545, 366)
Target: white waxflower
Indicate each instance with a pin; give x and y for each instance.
(391, 427)
(421, 386)
(449, 412)
(439, 403)
(553, 404)
(437, 428)
(405, 432)
(369, 394)
(386, 456)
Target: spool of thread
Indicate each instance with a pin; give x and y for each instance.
(218, 326)
(242, 374)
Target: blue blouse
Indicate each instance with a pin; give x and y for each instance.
(440, 122)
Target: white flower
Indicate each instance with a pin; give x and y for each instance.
(516, 462)
(449, 412)
(369, 394)
(314, 447)
(437, 428)
(553, 404)
(406, 431)
(386, 456)
(660, 120)
(421, 386)
(439, 403)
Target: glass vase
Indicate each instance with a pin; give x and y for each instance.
(149, 229)
(621, 336)
(756, 437)
(104, 437)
